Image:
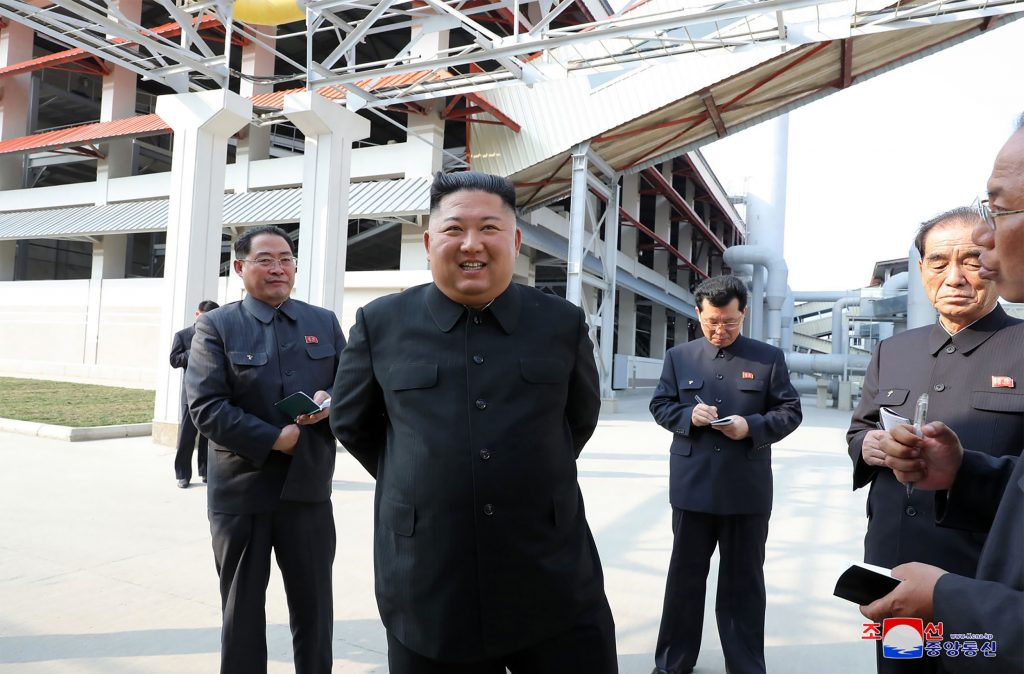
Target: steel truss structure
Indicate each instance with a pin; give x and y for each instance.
(498, 42)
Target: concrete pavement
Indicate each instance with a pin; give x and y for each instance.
(105, 566)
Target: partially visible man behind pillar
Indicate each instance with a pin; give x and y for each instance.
(187, 432)
(720, 483)
(270, 475)
(469, 400)
(968, 365)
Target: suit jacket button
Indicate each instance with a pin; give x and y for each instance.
(481, 404)
(950, 349)
(477, 320)
(939, 387)
(478, 359)
(717, 449)
(718, 376)
(289, 373)
(485, 454)
(488, 509)
(911, 511)
(718, 400)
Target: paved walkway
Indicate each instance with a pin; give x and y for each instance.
(105, 566)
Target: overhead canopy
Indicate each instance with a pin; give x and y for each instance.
(379, 199)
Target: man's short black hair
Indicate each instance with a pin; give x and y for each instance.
(243, 244)
(720, 290)
(449, 183)
(207, 305)
(961, 213)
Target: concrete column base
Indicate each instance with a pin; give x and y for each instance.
(845, 401)
(822, 400)
(165, 433)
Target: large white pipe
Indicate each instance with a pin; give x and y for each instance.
(786, 317)
(775, 289)
(895, 284)
(820, 295)
(840, 336)
(826, 363)
(920, 311)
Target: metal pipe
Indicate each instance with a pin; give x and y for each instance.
(895, 284)
(920, 311)
(777, 286)
(826, 363)
(577, 215)
(840, 336)
(786, 318)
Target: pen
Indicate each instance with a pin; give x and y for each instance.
(920, 415)
(697, 398)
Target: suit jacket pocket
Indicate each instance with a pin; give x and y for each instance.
(681, 445)
(399, 517)
(542, 370)
(318, 351)
(751, 384)
(997, 402)
(412, 376)
(891, 396)
(247, 358)
(688, 384)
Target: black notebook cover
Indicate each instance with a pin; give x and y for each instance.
(863, 584)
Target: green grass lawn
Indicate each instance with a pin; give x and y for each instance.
(66, 404)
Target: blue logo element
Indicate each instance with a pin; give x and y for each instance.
(902, 638)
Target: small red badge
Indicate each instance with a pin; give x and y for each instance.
(747, 375)
(1003, 382)
(310, 339)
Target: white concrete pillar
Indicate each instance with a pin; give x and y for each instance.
(659, 331)
(202, 123)
(682, 332)
(663, 224)
(15, 47)
(117, 102)
(108, 259)
(330, 130)
(425, 139)
(234, 288)
(412, 254)
(7, 254)
(630, 202)
(525, 270)
(254, 143)
(627, 322)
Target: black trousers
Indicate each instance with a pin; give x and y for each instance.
(587, 648)
(187, 433)
(303, 539)
(740, 603)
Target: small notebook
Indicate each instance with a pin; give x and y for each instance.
(299, 403)
(864, 583)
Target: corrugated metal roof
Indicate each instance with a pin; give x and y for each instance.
(377, 199)
(657, 112)
(87, 134)
(275, 99)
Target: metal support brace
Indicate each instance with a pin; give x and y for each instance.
(577, 214)
(610, 259)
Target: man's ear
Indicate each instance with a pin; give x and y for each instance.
(237, 264)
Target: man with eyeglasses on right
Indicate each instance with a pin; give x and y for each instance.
(726, 399)
(974, 490)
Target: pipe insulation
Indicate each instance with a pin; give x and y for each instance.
(776, 287)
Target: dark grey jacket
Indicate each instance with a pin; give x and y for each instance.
(245, 357)
(471, 422)
(709, 472)
(957, 373)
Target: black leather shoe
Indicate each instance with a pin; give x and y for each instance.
(204, 479)
(183, 484)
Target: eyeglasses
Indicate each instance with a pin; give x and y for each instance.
(728, 325)
(989, 216)
(269, 263)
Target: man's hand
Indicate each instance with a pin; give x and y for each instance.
(737, 430)
(912, 598)
(930, 462)
(703, 415)
(288, 439)
(310, 419)
(870, 449)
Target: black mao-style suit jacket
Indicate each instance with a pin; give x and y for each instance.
(180, 345)
(965, 378)
(709, 472)
(245, 357)
(471, 422)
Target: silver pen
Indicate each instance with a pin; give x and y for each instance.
(920, 419)
(697, 398)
